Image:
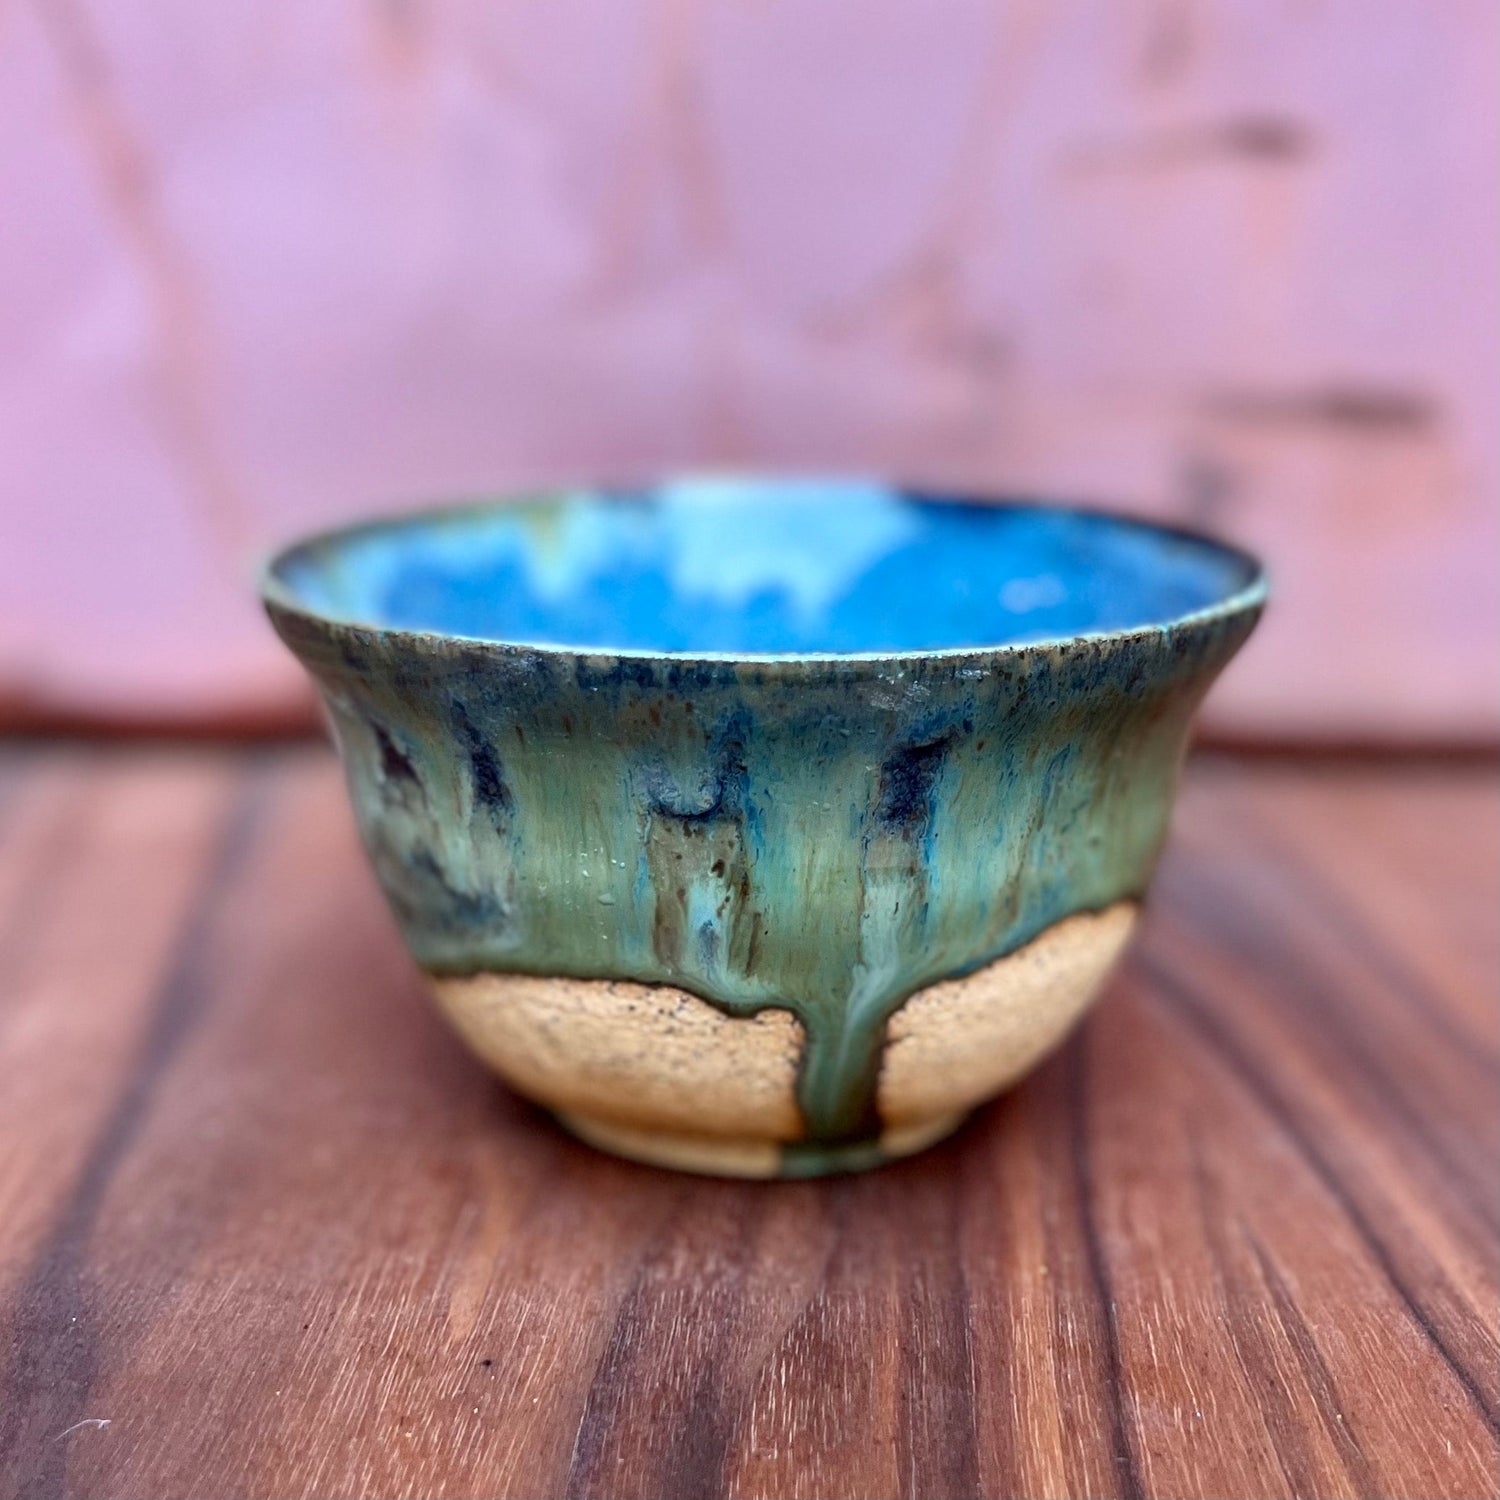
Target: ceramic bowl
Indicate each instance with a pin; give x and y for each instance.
(762, 827)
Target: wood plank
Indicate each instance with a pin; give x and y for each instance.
(98, 867)
(263, 1217)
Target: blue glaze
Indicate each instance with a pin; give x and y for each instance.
(751, 568)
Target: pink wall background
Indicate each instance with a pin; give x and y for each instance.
(271, 264)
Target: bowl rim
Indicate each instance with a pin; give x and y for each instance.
(280, 599)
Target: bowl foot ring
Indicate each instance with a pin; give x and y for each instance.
(730, 1156)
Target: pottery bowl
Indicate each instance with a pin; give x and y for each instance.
(762, 827)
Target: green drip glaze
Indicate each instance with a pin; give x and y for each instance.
(827, 835)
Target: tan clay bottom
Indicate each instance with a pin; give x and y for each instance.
(652, 1072)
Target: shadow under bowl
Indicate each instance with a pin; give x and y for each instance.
(763, 827)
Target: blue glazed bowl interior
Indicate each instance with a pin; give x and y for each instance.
(746, 568)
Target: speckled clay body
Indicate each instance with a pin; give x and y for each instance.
(756, 830)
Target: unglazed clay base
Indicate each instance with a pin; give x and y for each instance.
(653, 1073)
(960, 1041)
(643, 1056)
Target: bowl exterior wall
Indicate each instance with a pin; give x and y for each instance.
(815, 840)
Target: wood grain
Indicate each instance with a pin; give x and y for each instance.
(265, 1229)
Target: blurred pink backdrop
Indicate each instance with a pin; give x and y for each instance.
(267, 265)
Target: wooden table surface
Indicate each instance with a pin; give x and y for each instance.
(265, 1229)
